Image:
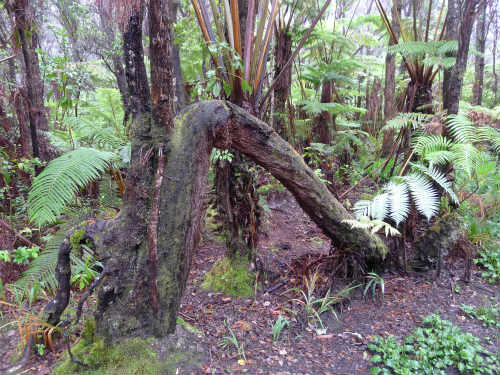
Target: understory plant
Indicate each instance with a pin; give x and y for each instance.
(422, 183)
(432, 349)
(313, 307)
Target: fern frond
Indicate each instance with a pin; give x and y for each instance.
(488, 134)
(439, 178)
(423, 193)
(430, 143)
(58, 183)
(438, 157)
(42, 268)
(374, 225)
(411, 120)
(462, 129)
(399, 201)
(466, 157)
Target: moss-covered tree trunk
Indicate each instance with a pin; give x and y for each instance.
(125, 301)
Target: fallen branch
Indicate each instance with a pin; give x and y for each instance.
(4, 224)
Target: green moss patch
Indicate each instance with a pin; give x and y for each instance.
(129, 356)
(230, 276)
(188, 327)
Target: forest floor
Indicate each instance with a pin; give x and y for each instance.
(301, 349)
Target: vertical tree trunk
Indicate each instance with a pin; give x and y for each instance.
(495, 36)
(477, 89)
(324, 121)
(458, 27)
(283, 51)
(32, 78)
(181, 99)
(390, 109)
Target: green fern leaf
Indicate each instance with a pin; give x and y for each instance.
(63, 177)
(399, 201)
(439, 178)
(425, 196)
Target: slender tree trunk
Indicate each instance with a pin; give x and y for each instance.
(477, 89)
(458, 27)
(324, 121)
(181, 99)
(32, 78)
(495, 36)
(283, 51)
(237, 200)
(390, 109)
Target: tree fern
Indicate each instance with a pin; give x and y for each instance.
(63, 177)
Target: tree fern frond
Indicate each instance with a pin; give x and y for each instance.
(423, 193)
(435, 48)
(430, 143)
(466, 157)
(380, 206)
(439, 178)
(407, 119)
(361, 208)
(374, 225)
(42, 268)
(58, 183)
(399, 201)
(439, 157)
(488, 134)
(462, 129)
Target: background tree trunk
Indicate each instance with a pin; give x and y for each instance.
(495, 36)
(324, 121)
(283, 51)
(458, 27)
(21, 13)
(390, 109)
(481, 33)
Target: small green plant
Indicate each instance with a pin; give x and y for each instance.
(313, 307)
(374, 281)
(4, 256)
(40, 348)
(84, 274)
(21, 255)
(489, 259)
(33, 293)
(232, 340)
(278, 326)
(487, 315)
(432, 349)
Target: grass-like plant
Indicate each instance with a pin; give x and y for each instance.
(278, 326)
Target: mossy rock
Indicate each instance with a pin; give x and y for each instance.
(180, 353)
(231, 276)
(441, 235)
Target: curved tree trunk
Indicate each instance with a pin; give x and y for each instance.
(125, 302)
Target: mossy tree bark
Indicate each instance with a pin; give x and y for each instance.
(124, 298)
(147, 249)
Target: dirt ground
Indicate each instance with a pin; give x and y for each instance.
(342, 349)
